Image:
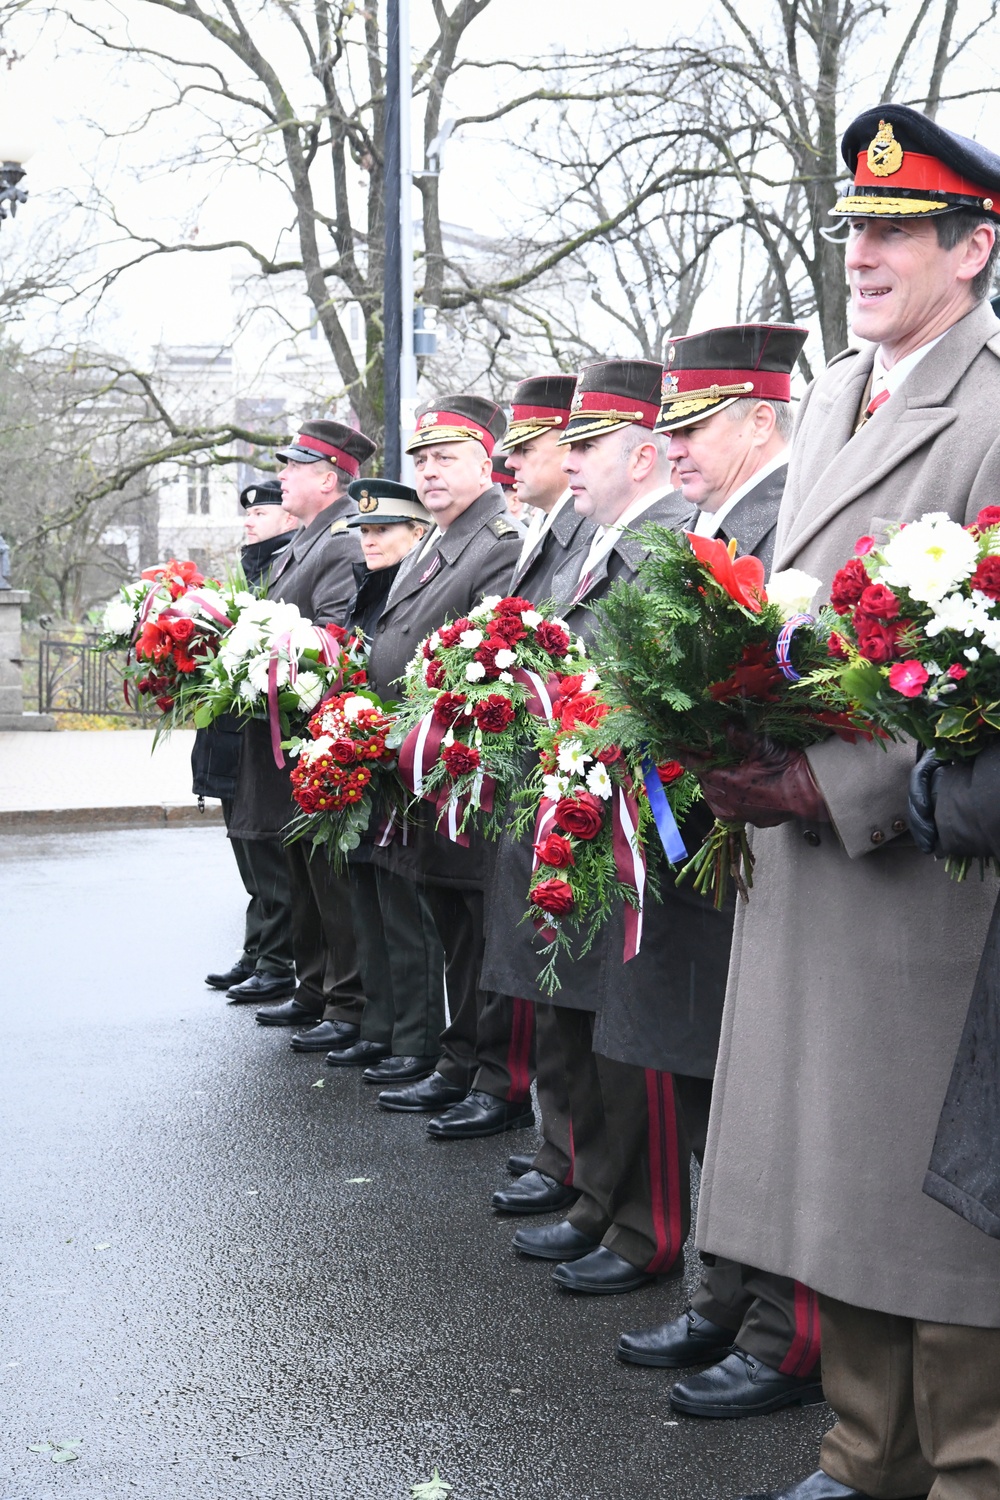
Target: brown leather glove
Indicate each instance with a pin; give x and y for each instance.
(771, 785)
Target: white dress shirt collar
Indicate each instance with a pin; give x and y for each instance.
(891, 380)
(606, 536)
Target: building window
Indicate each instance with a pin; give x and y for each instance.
(198, 492)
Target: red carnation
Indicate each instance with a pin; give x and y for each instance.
(507, 628)
(582, 815)
(181, 629)
(487, 655)
(956, 672)
(669, 771)
(426, 649)
(879, 601)
(988, 516)
(450, 633)
(513, 606)
(555, 851)
(494, 714)
(448, 708)
(342, 751)
(864, 545)
(908, 678)
(434, 674)
(986, 578)
(848, 585)
(459, 759)
(554, 897)
(552, 638)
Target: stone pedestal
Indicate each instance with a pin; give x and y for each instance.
(12, 715)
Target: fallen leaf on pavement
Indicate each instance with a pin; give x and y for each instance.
(434, 1489)
(319, 1084)
(357, 1179)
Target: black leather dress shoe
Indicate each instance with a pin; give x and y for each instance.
(601, 1272)
(261, 986)
(688, 1340)
(427, 1096)
(561, 1241)
(400, 1070)
(326, 1036)
(740, 1386)
(480, 1114)
(818, 1486)
(288, 1013)
(534, 1193)
(359, 1055)
(235, 975)
(518, 1165)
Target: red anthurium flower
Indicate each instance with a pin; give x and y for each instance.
(741, 577)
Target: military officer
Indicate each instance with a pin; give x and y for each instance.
(471, 552)
(828, 1091)
(317, 575)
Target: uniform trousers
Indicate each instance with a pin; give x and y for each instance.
(555, 1155)
(326, 959)
(489, 1040)
(918, 1405)
(401, 960)
(267, 940)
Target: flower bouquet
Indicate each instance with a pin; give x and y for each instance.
(171, 621)
(472, 694)
(592, 821)
(274, 664)
(916, 646)
(700, 657)
(339, 776)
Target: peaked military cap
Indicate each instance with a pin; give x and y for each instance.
(266, 492)
(340, 445)
(539, 404)
(382, 502)
(501, 473)
(906, 166)
(456, 419)
(708, 371)
(614, 394)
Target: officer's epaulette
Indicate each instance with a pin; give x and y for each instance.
(337, 527)
(502, 527)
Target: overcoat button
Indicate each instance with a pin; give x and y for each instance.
(811, 837)
(878, 836)
(899, 826)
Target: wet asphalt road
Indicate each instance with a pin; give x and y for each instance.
(194, 1286)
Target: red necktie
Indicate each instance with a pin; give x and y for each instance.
(876, 402)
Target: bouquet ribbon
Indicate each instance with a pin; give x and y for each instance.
(329, 654)
(783, 645)
(666, 824)
(630, 863)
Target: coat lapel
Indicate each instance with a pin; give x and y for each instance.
(753, 518)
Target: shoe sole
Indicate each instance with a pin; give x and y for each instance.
(810, 1397)
(532, 1208)
(666, 1362)
(229, 984)
(561, 1255)
(602, 1291)
(338, 1062)
(259, 999)
(406, 1078)
(522, 1123)
(409, 1109)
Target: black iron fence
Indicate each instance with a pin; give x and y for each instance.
(71, 677)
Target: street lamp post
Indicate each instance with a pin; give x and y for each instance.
(399, 364)
(16, 146)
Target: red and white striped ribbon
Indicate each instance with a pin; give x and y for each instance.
(630, 864)
(330, 654)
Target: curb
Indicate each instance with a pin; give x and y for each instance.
(154, 815)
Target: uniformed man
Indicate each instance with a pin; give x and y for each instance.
(471, 552)
(317, 575)
(265, 969)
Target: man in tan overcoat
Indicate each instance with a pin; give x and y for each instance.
(855, 958)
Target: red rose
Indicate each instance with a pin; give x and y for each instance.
(507, 628)
(181, 629)
(583, 708)
(487, 655)
(835, 646)
(582, 815)
(342, 751)
(552, 638)
(337, 631)
(877, 640)
(513, 606)
(358, 679)
(434, 674)
(554, 897)
(494, 714)
(669, 772)
(448, 708)
(459, 759)
(609, 755)
(879, 601)
(570, 686)
(986, 578)
(988, 516)
(957, 672)
(848, 585)
(555, 851)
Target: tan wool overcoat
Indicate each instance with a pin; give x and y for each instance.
(854, 961)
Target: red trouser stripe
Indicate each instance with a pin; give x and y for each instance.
(519, 1051)
(665, 1200)
(804, 1352)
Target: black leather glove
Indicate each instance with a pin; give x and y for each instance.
(924, 780)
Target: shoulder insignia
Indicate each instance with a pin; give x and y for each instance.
(337, 527)
(501, 527)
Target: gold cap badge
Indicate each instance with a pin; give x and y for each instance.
(367, 503)
(885, 154)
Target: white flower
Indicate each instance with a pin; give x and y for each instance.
(351, 707)
(964, 616)
(557, 620)
(309, 688)
(490, 601)
(257, 671)
(246, 689)
(991, 635)
(481, 611)
(929, 558)
(598, 781)
(590, 681)
(505, 657)
(933, 668)
(243, 599)
(118, 618)
(530, 618)
(971, 654)
(433, 641)
(475, 672)
(580, 646)
(470, 639)
(316, 749)
(792, 591)
(572, 756)
(505, 677)
(554, 787)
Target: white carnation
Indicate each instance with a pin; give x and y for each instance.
(475, 672)
(590, 681)
(505, 657)
(433, 642)
(505, 677)
(470, 639)
(530, 618)
(598, 781)
(929, 558)
(792, 591)
(490, 602)
(354, 706)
